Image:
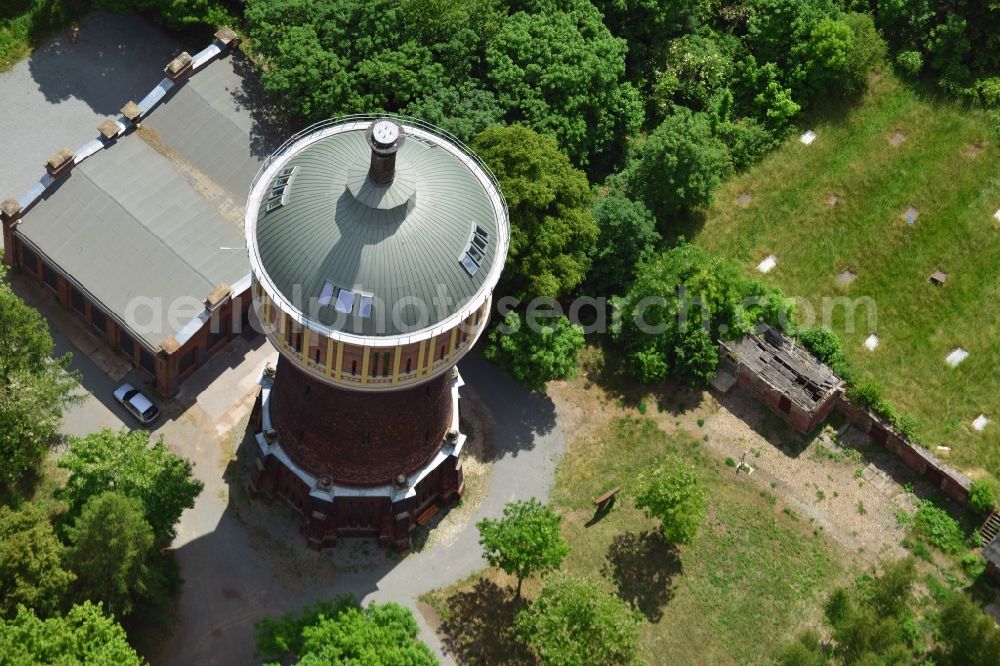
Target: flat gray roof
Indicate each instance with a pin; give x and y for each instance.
(150, 225)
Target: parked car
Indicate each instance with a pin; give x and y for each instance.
(137, 404)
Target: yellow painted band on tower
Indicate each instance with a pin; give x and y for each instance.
(451, 348)
(329, 357)
(364, 365)
(395, 364)
(420, 357)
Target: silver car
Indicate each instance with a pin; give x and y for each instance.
(137, 404)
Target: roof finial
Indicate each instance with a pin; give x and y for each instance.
(385, 137)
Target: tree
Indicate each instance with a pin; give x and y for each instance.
(110, 548)
(536, 355)
(125, 462)
(31, 571)
(34, 387)
(679, 166)
(868, 619)
(681, 302)
(672, 494)
(696, 70)
(463, 110)
(341, 56)
(176, 13)
(552, 227)
(576, 623)
(557, 68)
(628, 237)
(85, 635)
(525, 541)
(647, 26)
(969, 637)
(341, 632)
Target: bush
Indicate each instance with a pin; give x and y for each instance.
(983, 495)
(747, 139)
(825, 345)
(679, 166)
(989, 92)
(911, 63)
(936, 527)
(974, 564)
(535, 357)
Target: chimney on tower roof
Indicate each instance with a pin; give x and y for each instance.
(385, 137)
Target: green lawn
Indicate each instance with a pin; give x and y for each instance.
(918, 324)
(752, 577)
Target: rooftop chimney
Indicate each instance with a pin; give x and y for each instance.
(385, 137)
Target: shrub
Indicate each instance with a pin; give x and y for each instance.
(974, 564)
(536, 355)
(989, 92)
(983, 496)
(910, 62)
(825, 345)
(934, 525)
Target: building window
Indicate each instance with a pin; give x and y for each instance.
(188, 360)
(29, 260)
(373, 369)
(127, 345)
(216, 331)
(76, 300)
(385, 364)
(441, 357)
(354, 367)
(49, 276)
(98, 319)
(147, 362)
(317, 355)
(409, 362)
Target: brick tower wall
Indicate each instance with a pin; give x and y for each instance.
(354, 437)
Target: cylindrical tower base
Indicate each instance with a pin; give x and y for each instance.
(356, 438)
(309, 457)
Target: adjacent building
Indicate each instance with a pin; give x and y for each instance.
(139, 231)
(375, 245)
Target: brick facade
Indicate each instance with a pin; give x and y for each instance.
(354, 437)
(166, 370)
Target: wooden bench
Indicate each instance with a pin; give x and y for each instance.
(607, 499)
(428, 513)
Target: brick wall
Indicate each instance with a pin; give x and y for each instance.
(952, 482)
(355, 437)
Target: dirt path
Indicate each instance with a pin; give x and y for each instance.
(842, 484)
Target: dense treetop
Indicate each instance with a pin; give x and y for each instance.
(342, 632)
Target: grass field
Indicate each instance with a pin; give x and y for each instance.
(946, 166)
(752, 576)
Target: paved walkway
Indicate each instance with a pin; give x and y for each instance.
(241, 560)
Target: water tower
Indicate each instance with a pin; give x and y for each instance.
(375, 244)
